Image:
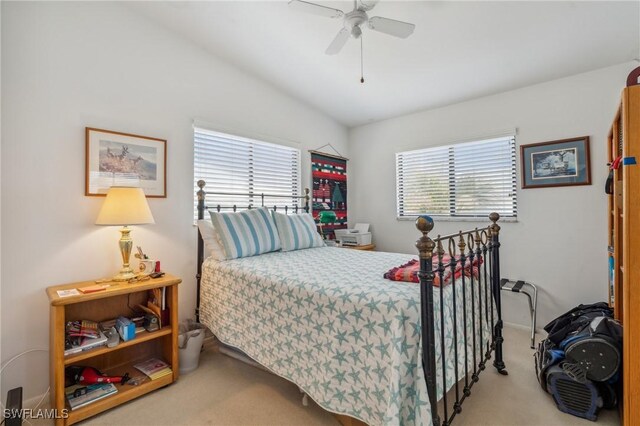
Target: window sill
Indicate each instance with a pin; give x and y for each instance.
(458, 219)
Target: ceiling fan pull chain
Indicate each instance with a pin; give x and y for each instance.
(361, 61)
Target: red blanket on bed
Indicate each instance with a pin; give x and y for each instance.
(409, 271)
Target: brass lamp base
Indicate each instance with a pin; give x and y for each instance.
(125, 274)
(126, 243)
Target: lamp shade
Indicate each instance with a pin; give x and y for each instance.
(125, 206)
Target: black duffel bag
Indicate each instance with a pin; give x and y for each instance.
(579, 361)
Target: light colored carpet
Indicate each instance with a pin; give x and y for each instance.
(223, 391)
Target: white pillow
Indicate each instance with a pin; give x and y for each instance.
(297, 231)
(212, 246)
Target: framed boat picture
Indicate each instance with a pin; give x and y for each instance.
(556, 163)
(123, 159)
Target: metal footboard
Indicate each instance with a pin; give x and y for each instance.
(473, 267)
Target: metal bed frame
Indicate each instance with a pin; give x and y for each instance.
(464, 247)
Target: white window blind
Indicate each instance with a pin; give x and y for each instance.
(466, 180)
(235, 164)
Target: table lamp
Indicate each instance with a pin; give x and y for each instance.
(324, 217)
(125, 206)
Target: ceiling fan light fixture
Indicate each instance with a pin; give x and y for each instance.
(353, 22)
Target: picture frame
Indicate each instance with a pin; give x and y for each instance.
(124, 159)
(564, 162)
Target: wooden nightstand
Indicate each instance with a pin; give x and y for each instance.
(100, 306)
(368, 247)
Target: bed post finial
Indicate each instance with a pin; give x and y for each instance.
(495, 228)
(425, 245)
(201, 192)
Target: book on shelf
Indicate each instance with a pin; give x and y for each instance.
(82, 328)
(93, 288)
(154, 368)
(157, 303)
(79, 396)
(77, 344)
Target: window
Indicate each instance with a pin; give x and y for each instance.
(234, 164)
(466, 180)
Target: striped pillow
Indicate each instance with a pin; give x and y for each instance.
(246, 233)
(297, 231)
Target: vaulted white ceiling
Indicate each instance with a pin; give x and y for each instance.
(459, 50)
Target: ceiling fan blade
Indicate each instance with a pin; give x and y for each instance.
(391, 26)
(338, 43)
(367, 5)
(316, 9)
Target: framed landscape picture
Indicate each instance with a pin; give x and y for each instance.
(122, 159)
(556, 163)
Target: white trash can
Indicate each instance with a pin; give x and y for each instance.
(190, 342)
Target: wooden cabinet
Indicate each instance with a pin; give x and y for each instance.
(118, 299)
(624, 244)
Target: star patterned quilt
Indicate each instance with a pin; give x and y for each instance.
(325, 319)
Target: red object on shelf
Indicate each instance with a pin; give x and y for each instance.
(76, 374)
(616, 163)
(91, 375)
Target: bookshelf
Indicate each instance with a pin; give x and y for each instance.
(624, 244)
(118, 299)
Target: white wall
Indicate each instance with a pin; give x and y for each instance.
(70, 65)
(560, 239)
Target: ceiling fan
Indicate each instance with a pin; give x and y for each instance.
(354, 20)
